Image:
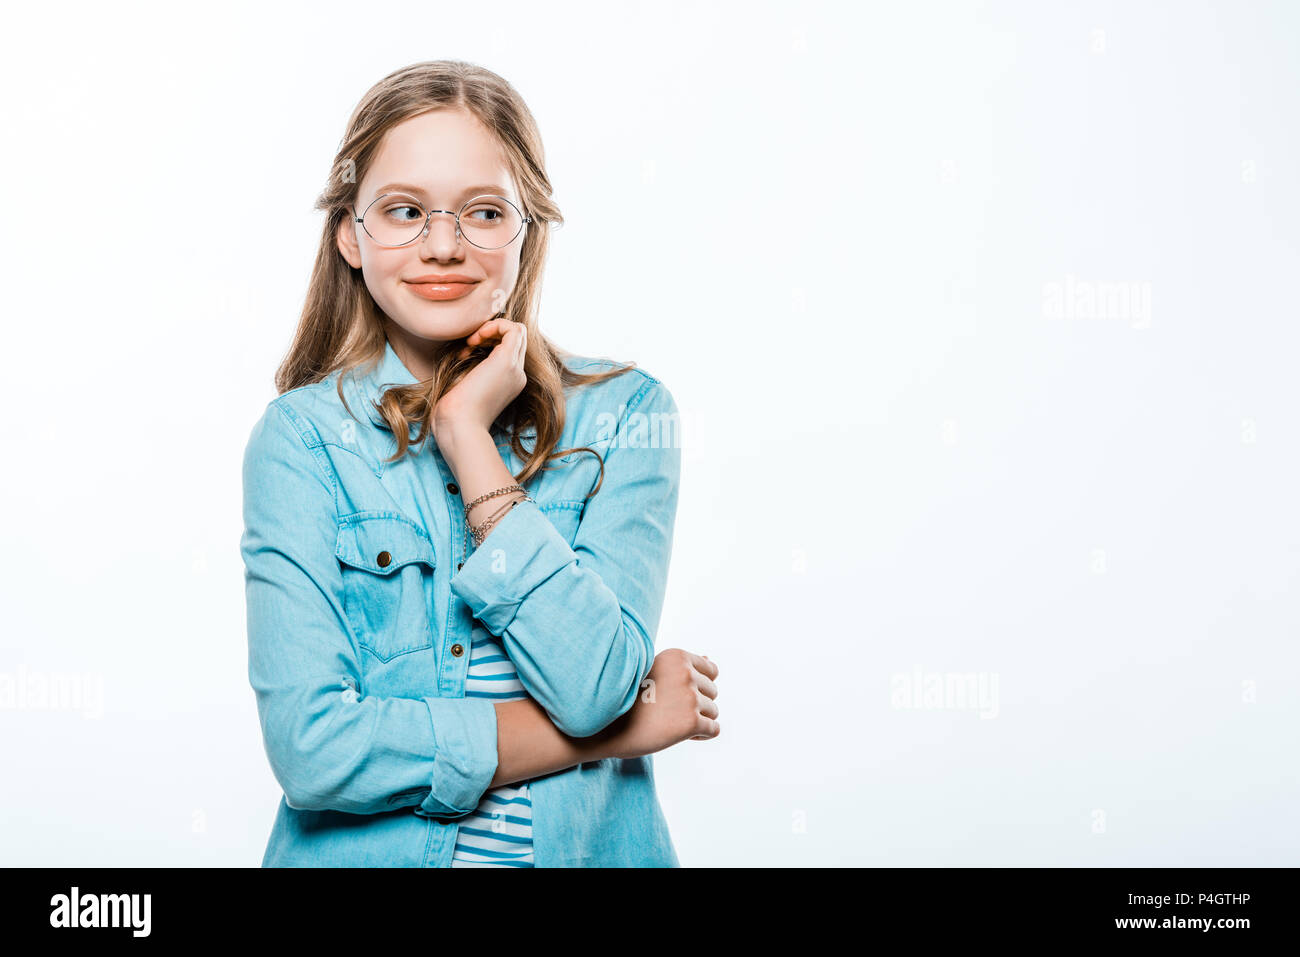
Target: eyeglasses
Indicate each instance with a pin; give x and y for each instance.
(488, 222)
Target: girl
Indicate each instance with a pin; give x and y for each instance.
(452, 642)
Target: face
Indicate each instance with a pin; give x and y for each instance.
(443, 158)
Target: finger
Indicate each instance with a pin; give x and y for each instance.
(707, 706)
(522, 351)
(714, 729)
(703, 665)
(490, 329)
(705, 685)
(512, 343)
(500, 331)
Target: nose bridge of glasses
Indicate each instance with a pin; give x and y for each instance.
(428, 222)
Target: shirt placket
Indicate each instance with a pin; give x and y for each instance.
(455, 651)
(457, 635)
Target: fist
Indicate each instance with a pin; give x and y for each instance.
(676, 703)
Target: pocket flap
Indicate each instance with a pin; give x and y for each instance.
(382, 542)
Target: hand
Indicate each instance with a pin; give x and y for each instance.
(480, 397)
(677, 706)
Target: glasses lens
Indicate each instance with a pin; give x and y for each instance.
(490, 222)
(394, 219)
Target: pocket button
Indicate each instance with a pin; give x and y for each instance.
(383, 559)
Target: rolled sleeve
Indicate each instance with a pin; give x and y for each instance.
(465, 756)
(522, 551)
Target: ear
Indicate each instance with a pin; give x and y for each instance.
(346, 239)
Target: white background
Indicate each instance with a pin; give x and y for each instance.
(833, 230)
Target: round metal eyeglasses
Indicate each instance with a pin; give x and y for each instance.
(396, 219)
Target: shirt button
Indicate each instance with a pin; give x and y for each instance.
(458, 565)
(453, 488)
(383, 558)
(458, 649)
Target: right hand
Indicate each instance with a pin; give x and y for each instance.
(677, 704)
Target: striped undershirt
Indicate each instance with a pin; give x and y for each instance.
(499, 833)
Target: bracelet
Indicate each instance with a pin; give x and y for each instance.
(499, 512)
(480, 532)
(500, 491)
(496, 516)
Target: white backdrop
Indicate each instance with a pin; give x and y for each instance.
(982, 322)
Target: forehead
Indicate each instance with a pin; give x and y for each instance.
(440, 154)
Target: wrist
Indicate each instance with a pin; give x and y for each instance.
(461, 443)
(452, 432)
(495, 507)
(605, 743)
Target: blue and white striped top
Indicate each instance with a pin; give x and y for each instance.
(499, 833)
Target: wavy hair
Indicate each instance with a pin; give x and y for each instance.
(341, 327)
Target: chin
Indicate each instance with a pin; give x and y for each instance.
(444, 330)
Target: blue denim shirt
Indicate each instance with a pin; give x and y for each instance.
(363, 591)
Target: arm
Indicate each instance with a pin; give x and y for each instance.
(329, 748)
(579, 622)
(529, 745)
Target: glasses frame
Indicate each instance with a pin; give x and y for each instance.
(428, 219)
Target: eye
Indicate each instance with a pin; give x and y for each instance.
(404, 213)
(486, 213)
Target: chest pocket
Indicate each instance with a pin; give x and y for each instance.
(565, 516)
(387, 563)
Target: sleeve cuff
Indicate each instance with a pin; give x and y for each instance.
(523, 550)
(465, 755)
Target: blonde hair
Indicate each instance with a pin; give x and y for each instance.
(341, 327)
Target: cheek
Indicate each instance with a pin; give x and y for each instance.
(505, 272)
(380, 271)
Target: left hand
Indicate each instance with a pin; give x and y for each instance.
(482, 395)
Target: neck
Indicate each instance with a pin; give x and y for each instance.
(420, 356)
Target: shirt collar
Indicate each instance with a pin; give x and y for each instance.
(369, 388)
(391, 371)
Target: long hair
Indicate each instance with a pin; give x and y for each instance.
(341, 327)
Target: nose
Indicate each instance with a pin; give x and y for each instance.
(441, 239)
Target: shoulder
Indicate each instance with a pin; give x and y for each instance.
(316, 414)
(620, 409)
(629, 388)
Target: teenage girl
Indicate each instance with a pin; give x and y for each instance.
(457, 535)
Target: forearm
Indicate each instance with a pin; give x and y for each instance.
(530, 745)
(528, 742)
(476, 462)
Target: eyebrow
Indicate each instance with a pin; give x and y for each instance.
(417, 191)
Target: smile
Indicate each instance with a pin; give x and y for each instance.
(441, 290)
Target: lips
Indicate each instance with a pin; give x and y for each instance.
(443, 289)
(442, 278)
